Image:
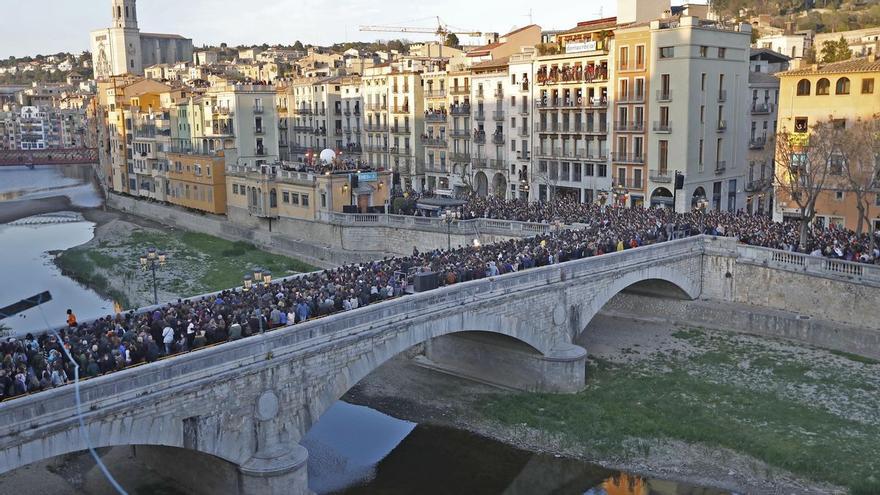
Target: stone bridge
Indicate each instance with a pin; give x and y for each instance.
(250, 402)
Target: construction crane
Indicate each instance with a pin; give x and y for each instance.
(442, 31)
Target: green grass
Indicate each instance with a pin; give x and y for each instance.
(855, 357)
(197, 263)
(692, 402)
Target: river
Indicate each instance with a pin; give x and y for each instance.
(353, 449)
(26, 262)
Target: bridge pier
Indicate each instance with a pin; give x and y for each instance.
(504, 361)
(280, 470)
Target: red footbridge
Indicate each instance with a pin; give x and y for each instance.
(68, 156)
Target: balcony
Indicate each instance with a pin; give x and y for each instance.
(523, 131)
(757, 143)
(258, 110)
(757, 185)
(224, 111)
(402, 109)
(627, 158)
(400, 129)
(479, 162)
(499, 93)
(460, 157)
(629, 126)
(462, 109)
(480, 115)
(258, 129)
(596, 129)
(400, 151)
(376, 127)
(660, 176)
(596, 102)
(498, 138)
(433, 142)
(761, 108)
(662, 127)
(435, 93)
(631, 98)
(498, 116)
(322, 112)
(459, 134)
(720, 166)
(320, 131)
(630, 183)
(722, 126)
(337, 111)
(436, 117)
(261, 152)
(480, 137)
(664, 95)
(460, 90)
(302, 128)
(523, 110)
(592, 156)
(524, 86)
(523, 155)
(722, 96)
(377, 148)
(281, 108)
(496, 164)
(303, 111)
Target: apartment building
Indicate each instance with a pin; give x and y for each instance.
(521, 67)
(459, 129)
(352, 103)
(495, 114)
(844, 92)
(571, 94)
(632, 123)
(436, 121)
(283, 98)
(700, 73)
(245, 116)
(764, 91)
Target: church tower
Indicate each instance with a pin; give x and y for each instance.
(125, 14)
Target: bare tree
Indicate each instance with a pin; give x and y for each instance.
(802, 167)
(860, 147)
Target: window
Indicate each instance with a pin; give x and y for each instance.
(842, 87)
(838, 195)
(868, 86)
(663, 162)
(624, 57)
(801, 124)
(285, 197)
(704, 51)
(294, 199)
(304, 200)
(667, 52)
(703, 81)
(823, 87)
(235, 189)
(323, 200)
(803, 87)
(722, 52)
(640, 56)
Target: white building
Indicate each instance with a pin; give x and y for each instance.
(124, 49)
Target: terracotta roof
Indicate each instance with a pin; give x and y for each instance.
(492, 64)
(519, 30)
(856, 65)
(482, 50)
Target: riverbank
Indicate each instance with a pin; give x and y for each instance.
(733, 411)
(197, 263)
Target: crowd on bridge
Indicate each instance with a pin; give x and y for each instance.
(120, 341)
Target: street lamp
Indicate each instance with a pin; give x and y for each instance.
(248, 283)
(153, 260)
(448, 217)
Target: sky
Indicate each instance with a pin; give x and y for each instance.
(31, 27)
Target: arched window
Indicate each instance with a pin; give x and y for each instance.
(823, 86)
(803, 87)
(273, 199)
(842, 86)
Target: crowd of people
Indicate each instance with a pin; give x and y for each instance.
(123, 340)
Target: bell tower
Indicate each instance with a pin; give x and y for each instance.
(125, 14)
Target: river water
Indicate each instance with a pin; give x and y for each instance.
(26, 262)
(352, 449)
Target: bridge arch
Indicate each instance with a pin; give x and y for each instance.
(679, 285)
(454, 325)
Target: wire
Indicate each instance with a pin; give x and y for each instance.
(79, 415)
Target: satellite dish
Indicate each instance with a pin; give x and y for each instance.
(327, 156)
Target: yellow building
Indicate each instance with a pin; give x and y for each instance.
(272, 192)
(844, 91)
(197, 180)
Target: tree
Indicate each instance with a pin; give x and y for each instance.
(451, 40)
(835, 51)
(860, 151)
(803, 160)
(547, 48)
(298, 46)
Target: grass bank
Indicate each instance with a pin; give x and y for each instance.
(197, 263)
(804, 410)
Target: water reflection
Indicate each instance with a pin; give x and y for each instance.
(359, 451)
(28, 269)
(73, 181)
